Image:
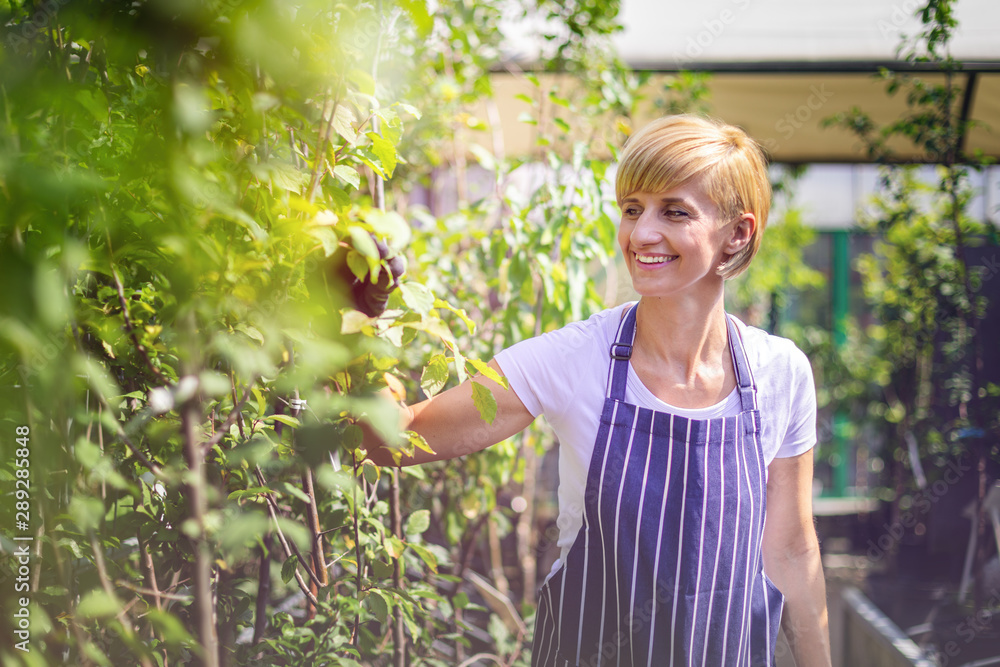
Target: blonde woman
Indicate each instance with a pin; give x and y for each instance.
(685, 462)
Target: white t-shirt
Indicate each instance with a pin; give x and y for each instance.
(564, 374)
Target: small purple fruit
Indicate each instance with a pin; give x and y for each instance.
(397, 266)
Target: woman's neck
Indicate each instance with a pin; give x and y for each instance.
(684, 334)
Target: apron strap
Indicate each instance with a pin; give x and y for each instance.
(621, 352)
(744, 375)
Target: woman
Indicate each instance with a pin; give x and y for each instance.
(680, 429)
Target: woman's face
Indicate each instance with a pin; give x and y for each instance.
(673, 241)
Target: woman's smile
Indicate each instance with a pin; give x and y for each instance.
(651, 261)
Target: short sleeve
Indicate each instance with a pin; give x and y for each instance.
(800, 435)
(547, 371)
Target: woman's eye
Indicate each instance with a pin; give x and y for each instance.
(675, 213)
(631, 211)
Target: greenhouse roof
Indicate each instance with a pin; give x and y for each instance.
(779, 67)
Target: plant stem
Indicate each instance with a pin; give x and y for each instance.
(399, 638)
(197, 507)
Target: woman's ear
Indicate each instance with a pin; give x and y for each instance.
(742, 233)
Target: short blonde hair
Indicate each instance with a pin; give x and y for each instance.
(674, 149)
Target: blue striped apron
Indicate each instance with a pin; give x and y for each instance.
(666, 569)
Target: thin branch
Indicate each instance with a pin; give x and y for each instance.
(120, 431)
(156, 593)
(357, 545)
(289, 547)
(231, 419)
(263, 589)
(399, 636)
(203, 607)
(319, 559)
(324, 135)
(102, 574)
(149, 569)
(480, 656)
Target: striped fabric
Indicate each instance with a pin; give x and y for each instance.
(666, 569)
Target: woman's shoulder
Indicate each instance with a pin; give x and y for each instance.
(773, 353)
(600, 327)
(547, 371)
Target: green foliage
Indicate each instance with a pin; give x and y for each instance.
(206, 210)
(180, 185)
(929, 398)
(192, 214)
(779, 267)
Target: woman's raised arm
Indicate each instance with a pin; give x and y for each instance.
(451, 425)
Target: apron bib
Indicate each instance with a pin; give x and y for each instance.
(667, 568)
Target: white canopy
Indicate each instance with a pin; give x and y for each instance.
(780, 66)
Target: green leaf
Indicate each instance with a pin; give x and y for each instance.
(370, 471)
(242, 530)
(363, 80)
(483, 157)
(348, 175)
(288, 568)
(417, 297)
(170, 628)
(390, 225)
(94, 101)
(192, 108)
(378, 604)
(358, 265)
(435, 375)
(87, 453)
(343, 123)
(379, 569)
(425, 555)
(418, 442)
(253, 491)
(484, 402)
(417, 9)
(287, 420)
(86, 512)
(98, 604)
(385, 152)
(410, 109)
(363, 242)
(418, 522)
(441, 303)
(395, 546)
(488, 371)
(287, 177)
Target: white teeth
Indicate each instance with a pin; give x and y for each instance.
(654, 259)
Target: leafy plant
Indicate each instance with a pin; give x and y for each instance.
(918, 281)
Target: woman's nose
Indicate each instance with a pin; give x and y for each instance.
(645, 231)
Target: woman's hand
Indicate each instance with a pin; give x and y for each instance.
(451, 425)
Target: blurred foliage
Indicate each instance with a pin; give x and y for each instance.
(779, 269)
(207, 208)
(922, 381)
(194, 220)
